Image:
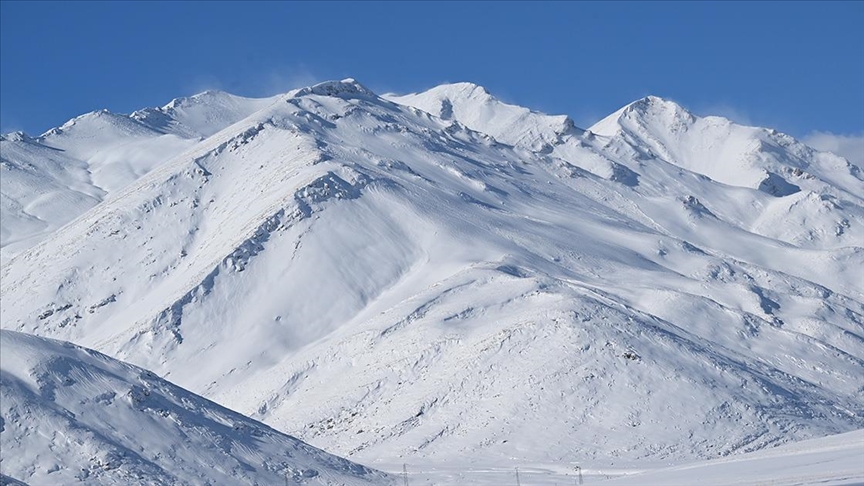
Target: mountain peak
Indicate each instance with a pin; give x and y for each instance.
(473, 106)
(211, 92)
(346, 88)
(650, 110)
(201, 114)
(16, 136)
(205, 97)
(655, 104)
(464, 88)
(96, 118)
(459, 93)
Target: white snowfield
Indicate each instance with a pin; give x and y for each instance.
(444, 278)
(828, 461)
(74, 416)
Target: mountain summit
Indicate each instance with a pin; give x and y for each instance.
(444, 275)
(474, 107)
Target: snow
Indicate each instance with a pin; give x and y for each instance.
(401, 279)
(73, 415)
(474, 107)
(201, 115)
(52, 179)
(42, 189)
(832, 461)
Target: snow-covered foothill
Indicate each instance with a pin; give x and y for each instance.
(74, 416)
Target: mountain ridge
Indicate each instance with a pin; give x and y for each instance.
(389, 283)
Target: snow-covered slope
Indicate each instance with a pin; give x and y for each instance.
(831, 461)
(71, 415)
(384, 282)
(42, 189)
(50, 180)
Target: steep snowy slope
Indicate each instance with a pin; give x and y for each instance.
(72, 415)
(383, 282)
(50, 180)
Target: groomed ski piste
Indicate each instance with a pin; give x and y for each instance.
(447, 281)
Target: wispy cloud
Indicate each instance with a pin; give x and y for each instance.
(849, 146)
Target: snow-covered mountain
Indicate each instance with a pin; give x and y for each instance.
(50, 180)
(72, 415)
(474, 107)
(444, 276)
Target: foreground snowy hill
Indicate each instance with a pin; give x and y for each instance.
(51, 179)
(72, 415)
(387, 281)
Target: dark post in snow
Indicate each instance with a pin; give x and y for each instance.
(579, 475)
(405, 473)
(518, 483)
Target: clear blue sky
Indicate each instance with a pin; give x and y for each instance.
(795, 66)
